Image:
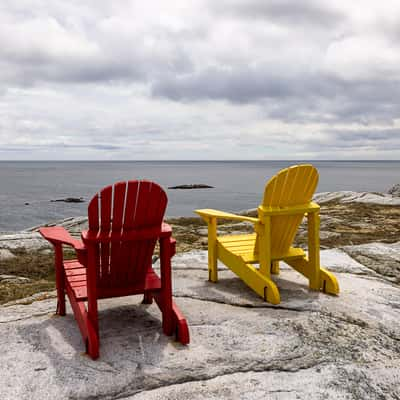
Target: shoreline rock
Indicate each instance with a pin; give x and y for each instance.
(192, 186)
(69, 200)
(395, 190)
(357, 197)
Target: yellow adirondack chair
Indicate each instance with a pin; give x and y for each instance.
(287, 199)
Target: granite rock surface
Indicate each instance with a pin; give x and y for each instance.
(311, 346)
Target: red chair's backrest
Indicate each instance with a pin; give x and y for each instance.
(122, 208)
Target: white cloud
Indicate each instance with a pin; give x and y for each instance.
(199, 79)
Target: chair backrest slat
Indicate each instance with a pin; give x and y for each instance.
(124, 207)
(93, 213)
(118, 206)
(290, 187)
(130, 205)
(106, 204)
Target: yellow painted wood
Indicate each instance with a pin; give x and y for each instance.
(287, 200)
(262, 285)
(328, 282)
(212, 250)
(206, 213)
(275, 268)
(249, 238)
(244, 245)
(264, 246)
(313, 249)
(289, 210)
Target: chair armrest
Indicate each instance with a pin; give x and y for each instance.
(166, 229)
(208, 213)
(289, 210)
(58, 235)
(129, 235)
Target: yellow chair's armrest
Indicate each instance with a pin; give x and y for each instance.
(208, 213)
(290, 210)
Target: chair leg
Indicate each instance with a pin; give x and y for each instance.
(181, 326)
(313, 270)
(166, 312)
(60, 280)
(329, 283)
(92, 342)
(275, 267)
(164, 297)
(147, 298)
(253, 278)
(212, 251)
(60, 310)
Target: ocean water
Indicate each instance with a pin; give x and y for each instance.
(238, 184)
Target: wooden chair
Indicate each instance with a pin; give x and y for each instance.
(254, 257)
(114, 258)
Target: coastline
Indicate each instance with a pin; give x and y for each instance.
(311, 345)
(347, 219)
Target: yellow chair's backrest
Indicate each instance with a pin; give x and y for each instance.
(292, 186)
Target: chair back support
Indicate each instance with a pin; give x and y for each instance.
(113, 213)
(292, 186)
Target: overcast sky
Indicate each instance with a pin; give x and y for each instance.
(218, 79)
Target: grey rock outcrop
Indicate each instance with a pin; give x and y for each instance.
(395, 190)
(13, 279)
(72, 224)
(357, 197)
(311, 346)
(6, 254)
(382, 258)
(23, 240)
(31, 240)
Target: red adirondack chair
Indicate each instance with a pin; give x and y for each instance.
(114, 258)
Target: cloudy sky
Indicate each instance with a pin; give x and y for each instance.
(226, 79)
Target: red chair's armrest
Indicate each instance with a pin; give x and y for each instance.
(134, 234)
(166, 234)
(58, 235)
(166, 229)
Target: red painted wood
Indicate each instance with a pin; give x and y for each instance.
(128, 249)
(118, 206)
(142, 205)
(130, 206)
(79, 311)
(114, 259)
(58, 235)
(145, 217)
(105, 224)
(93, 213)
(60, 280)
(106, 204)
(166, 284)
(116, 262)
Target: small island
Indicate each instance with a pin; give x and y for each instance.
(192, 186)
(70, 200)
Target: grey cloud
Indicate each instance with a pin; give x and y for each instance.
(55, 146)
(352, 137)
(216, 83)
(307, 97)
(315, 14)
(375, 140)
(88, 146)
